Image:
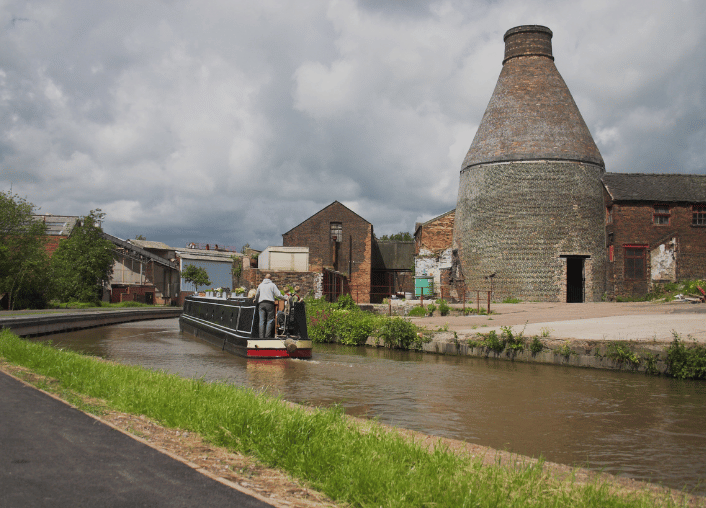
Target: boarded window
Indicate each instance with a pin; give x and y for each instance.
(336, 231)
(635, 263)
(609, 215)
(698, 217)
(660, 216)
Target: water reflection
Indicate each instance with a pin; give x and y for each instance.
(644, 427)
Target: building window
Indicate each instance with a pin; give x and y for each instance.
(635, 262)
(698, 217)
(660, 217)
(336, 231)
(609, 215)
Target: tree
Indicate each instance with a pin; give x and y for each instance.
(24, 264)
(402, 236)
(196, 275)
(140, 237)
(83, 263)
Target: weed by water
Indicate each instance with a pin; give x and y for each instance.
(536, 345)
(686, 362)
(621, 353)
(564, 350)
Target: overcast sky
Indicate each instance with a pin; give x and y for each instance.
(233, 121)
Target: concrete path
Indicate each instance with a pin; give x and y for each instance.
(639, 321)
(53, 455)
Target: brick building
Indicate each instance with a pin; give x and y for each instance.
(433, 242)
(340, 246)
(655, 230)
(143, 271)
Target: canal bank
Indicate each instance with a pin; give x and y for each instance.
(604, 335)
(45, 322)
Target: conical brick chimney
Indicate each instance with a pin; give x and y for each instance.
(530, 204)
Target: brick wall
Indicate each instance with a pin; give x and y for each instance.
(309, 282)
(351, 256)
(519, 220)
(633, 224)
(437, 234)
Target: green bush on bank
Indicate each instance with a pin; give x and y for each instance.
(361, 465)
(344, 322)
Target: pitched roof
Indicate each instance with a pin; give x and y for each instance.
(417, 225)
(58, 225)
(323, 209)
(531, 114)
(656, 187)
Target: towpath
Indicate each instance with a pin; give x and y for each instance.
(602, 321)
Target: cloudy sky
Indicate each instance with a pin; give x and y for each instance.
(232, 121)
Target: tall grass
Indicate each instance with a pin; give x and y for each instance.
(364, 465)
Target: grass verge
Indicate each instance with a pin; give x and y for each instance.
(362, 465)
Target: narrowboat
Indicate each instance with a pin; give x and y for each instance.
(233, 325)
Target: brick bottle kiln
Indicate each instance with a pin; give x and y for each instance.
(530, 204)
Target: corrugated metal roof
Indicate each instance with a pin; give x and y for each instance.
(206, 255)
(58, 225)
(148, 244)
(656, 187)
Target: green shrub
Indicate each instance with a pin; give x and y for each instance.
(431, 308)
(536, 345)
(346, 302)
(397, 332)
(686, 363)
(354, 327)
(418, 311)
(444, 308)
(620, 352)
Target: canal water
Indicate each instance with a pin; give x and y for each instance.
(647, 428)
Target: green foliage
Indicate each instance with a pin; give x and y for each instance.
(196, 275)
(83, 263)
(512, 341)
(25, 273)
(402, 236)
(327, 322)
(651, 364)
(237, 268)
(346, 302)
(620, 352)
(686, 362)
(510, 299)
(536, 345)
(564, 350)
(397, 332)
(430, 309)
(418, 311)
(354, 327)
(444, 308)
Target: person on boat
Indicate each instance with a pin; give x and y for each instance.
(267, 293)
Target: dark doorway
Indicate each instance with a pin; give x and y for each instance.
(574, 280)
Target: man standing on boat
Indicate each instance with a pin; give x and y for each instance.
(267, 292)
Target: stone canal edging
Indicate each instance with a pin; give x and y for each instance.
(57, 322)
(613, 355)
